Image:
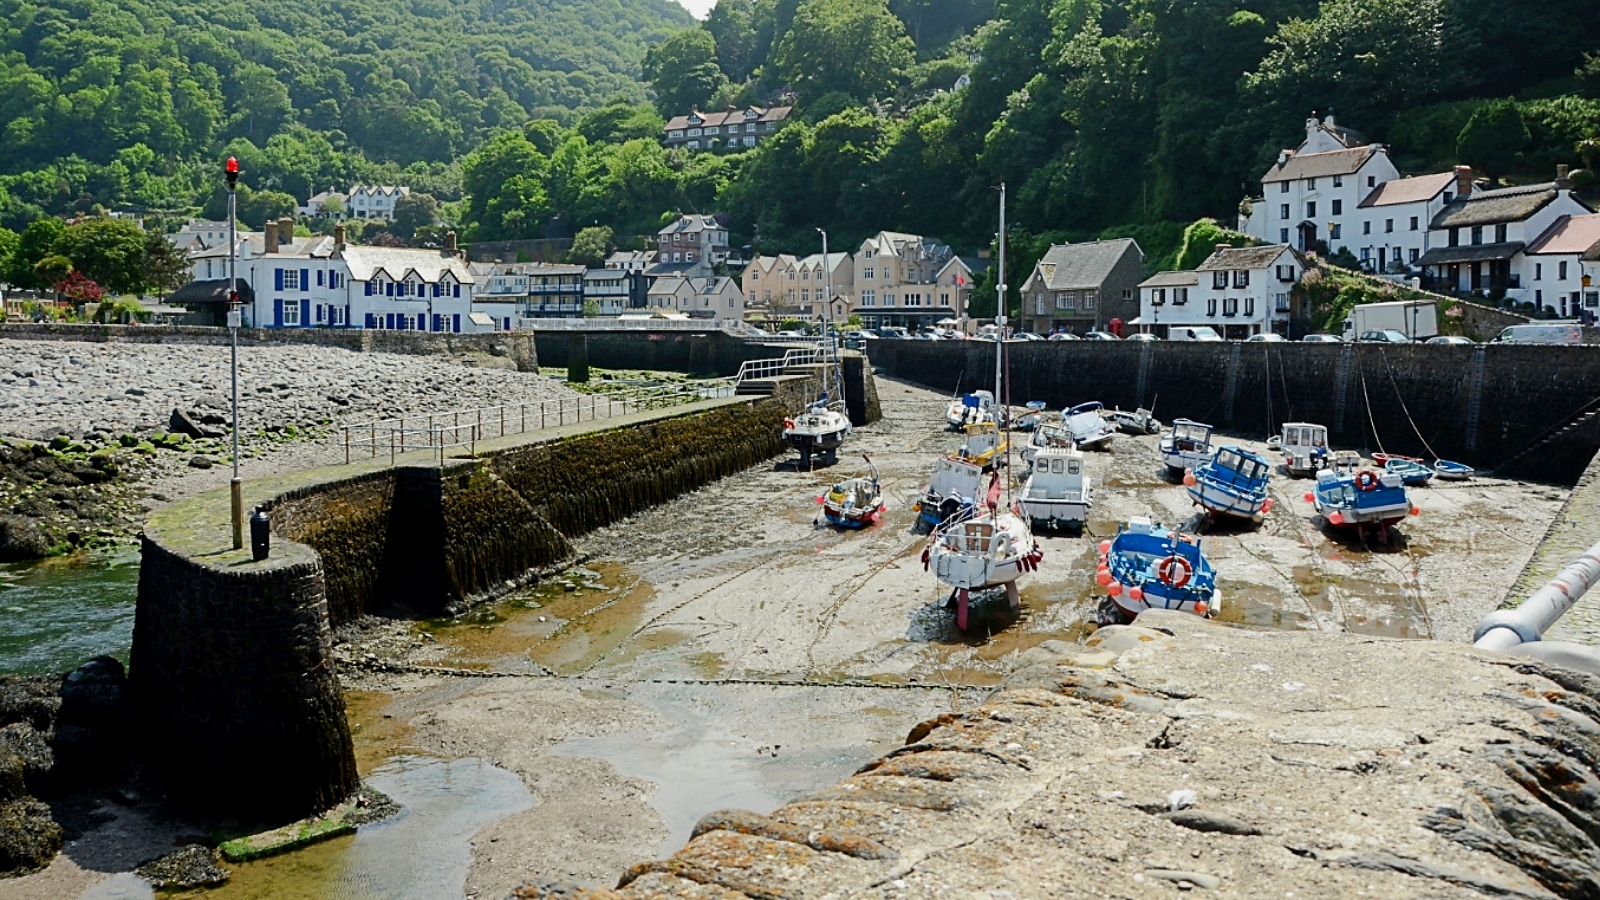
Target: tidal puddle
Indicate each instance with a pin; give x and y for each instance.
(424, 853)
(697, 769)
(58, 613)
(1260, 607)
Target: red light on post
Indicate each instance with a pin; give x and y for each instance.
(232, 169)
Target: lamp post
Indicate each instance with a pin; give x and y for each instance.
(235, 317)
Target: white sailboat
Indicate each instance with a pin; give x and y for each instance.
(989, 545)
(822, 427)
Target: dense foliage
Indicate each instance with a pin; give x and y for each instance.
(118, 101)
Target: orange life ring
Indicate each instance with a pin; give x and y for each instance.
(1366, 480)
(1174, 571)
(788, 424)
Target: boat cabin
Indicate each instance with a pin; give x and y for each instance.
(1239, 468)
(1304, 445)
(1190, 437)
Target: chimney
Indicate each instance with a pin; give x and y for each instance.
(338, 238)
(271, 242)
(1328, 119)
(1463, 182)
(1563, 182)
(285, 231)
(1222, 247)
(1311, 127)
(450, 242)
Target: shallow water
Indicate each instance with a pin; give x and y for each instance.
(57, 613)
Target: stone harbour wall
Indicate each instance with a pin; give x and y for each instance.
(1499, 406)
(347, 523)
(239, 711)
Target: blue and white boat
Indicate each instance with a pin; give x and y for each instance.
(1412, 474)
(952, 492)
(1186, 446)
(1090, 430)
(971, 409)
(1365, 500)
(1029, 420)
(1149, 566)
(1232, 483)
(1453, 471)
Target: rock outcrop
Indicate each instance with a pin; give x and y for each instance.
(1180, 754)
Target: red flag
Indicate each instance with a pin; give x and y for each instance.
(993, 500)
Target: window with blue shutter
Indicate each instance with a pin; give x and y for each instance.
(455, 324)
(457, 289)
(305, 279)
(277, 308)
(319, 278)
(388, 289)
(372, 320)
(305, 313)
(277, 279)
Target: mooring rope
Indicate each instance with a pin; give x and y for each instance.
(1392, 383)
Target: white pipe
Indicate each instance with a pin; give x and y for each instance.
(1504, 629)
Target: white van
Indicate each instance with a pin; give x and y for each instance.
(1193, 333)
(1563, 333)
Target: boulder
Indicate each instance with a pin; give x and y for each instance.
(22, 538)
(182, 423)
(37, 760)
(31, 700)
(92, 695)
(29, 838)
(193, 866)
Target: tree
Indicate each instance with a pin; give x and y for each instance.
(165, 268)
(109, 251)
(333, 208)
(413, 211)
(52, 269)
(1492, 137)
(857, 47)
(256, 208)
(38, 241)
(591, 247)
(683, 71)
(78, 289)
(8, 247)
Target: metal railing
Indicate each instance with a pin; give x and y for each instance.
(1520, 631)
(752, 369)
(442, 431)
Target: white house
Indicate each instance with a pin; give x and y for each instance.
(1560, 270)
(199, 234)
(1238, 291)
(714, 298)
(372, 201)
(313, 206)
(1477, 238)
(1313, 192)
(1393, 219)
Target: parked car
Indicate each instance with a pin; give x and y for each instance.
(1386, 336)
(1265, 337)
(1064, 336)
(1541, 334)
(1193, 333)
(793, 332)
(1322, 339)
(1452, 339)
(1142, 336)
(1101, 336)
(1026, 336)
(926, 336)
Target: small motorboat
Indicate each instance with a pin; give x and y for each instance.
(819, 431)
(1453, 471)
(1090, 430)
(1050, 435)
(951, 492)
(1304, 447)
(855, 502)
(1344, 462)
(970, 409)
(1137, 422)
(1365, 500)
(1186, 446)
(1032, 415)
(1233, 483)
(1382, 459)
(1057, 493)
(1412, 474)
(1148, 566)
(984, 548)
(984, 444)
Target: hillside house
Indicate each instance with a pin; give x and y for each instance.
(372, 201)
(1081, 287)
(1238, 291)
(732, 128)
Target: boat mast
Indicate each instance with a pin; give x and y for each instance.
(1002, 401)
(827, 314)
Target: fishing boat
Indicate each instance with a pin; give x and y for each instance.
(1412, 474)
(1090, 430)
(1344, 462)
(1032, 415)
(970, 409)
(1365, 500)
(1382, 459)
(1304, 447)
(1232, 483)
(819, 431)
(855, 502)
(1187, 445)
(1058, 492)
(1049, 435)
(984, 444)
(991, 545)
(951, 492)
(1139, 421)
(1453, 471)
(1148, 566)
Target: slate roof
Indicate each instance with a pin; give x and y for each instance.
(1067, 267)
(1408, 190)
(688, 224)
(1570, 234)
(1320, 165)
(1492, 207)
(1442, 256)
(430, 265)
(1243, 258)
(1172, 279)
(210, 291)
(730, 117)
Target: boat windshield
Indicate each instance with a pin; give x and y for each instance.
(1305, 436)
(1242, 467)
(1058, 466)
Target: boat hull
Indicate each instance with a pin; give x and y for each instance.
(1056, 514)
(1134, 561)
(852, 517)
(992, 560)
(1219, 501)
